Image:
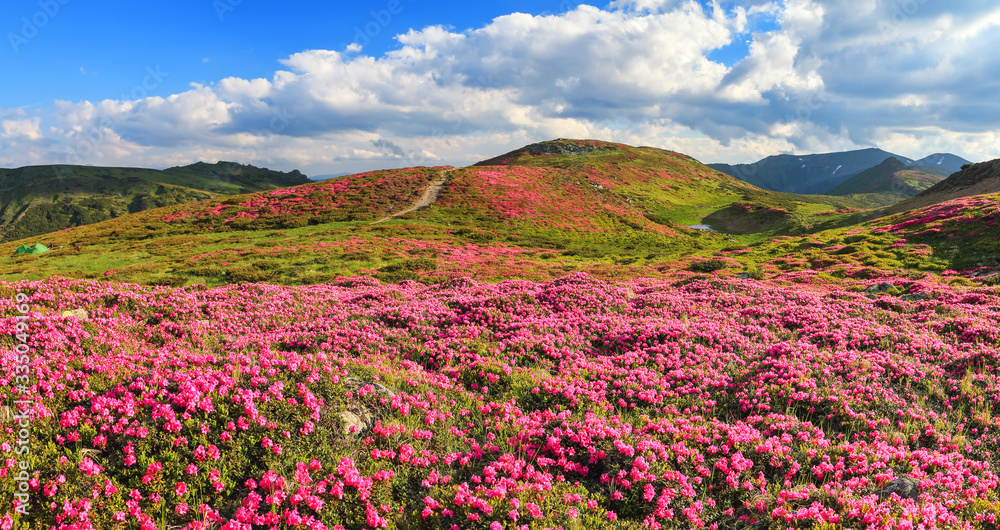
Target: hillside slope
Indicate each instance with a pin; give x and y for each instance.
(669, 187)
(977, 179)
(892, 176)
(620, 215)
(665, 186)
(37, 200)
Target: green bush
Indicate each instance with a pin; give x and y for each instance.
(992, 279)
(265, 265)
(752, 270)
(585, 252)
(357, 255)
(296, 221)
(248, 275)
(407, 270)
(708, 265)
(474, 234)
(240, 223)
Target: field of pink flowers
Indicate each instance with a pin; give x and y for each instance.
(360, 196)
(542, 198)
(693, 402)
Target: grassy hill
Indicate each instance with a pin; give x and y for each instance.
(892, 177)
(536, 213)
(673, 187)
(37, 200)
(975, 179)
(957, 240)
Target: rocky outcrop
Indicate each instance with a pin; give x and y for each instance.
(560, 148)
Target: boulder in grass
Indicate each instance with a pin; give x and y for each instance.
(904, 487)
(915, 297)
(880, 288)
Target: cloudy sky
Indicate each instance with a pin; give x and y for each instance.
(335, 87)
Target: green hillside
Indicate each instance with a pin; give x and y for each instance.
(973, 179)
(957, 239)
(616, 211)
(38, 200)
(891, 177)
(488, 222)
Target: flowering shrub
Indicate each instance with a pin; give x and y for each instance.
(575, 402)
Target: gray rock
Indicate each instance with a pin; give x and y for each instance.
(743, 275)
(915, 297)
(384, 391)
(905, 487)
(560, 148)
(880, 288)
(357, 383)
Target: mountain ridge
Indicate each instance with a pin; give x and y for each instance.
(819, 173)
(36, 200)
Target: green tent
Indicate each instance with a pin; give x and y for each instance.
(37, 248)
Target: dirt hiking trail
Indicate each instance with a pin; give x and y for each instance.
(429, 197)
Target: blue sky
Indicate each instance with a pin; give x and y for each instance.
(201, 40)
(334, 87)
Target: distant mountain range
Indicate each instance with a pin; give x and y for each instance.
(41, 199)
(943, 164)
(317, 178)
(821, 173)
